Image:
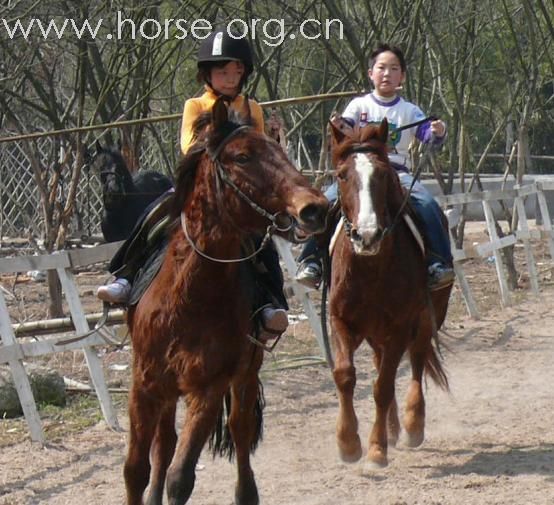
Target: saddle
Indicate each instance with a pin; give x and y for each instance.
(146, 274)
(139, 259)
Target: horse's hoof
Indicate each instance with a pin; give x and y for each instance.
(350, 453)
(415, 439)
(247, 496)
(371, 466)
(376, 459)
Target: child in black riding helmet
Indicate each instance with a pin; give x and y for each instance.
(224, 64)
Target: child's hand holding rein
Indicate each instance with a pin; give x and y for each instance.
(438, 128)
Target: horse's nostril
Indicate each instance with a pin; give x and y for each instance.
(313, 215)
(355, 235)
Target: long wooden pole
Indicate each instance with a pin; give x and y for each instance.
(174, 117)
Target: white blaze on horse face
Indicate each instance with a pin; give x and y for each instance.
(367, 219)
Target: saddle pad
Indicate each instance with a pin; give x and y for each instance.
(415, 232)
(146, 274)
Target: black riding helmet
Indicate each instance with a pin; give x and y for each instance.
(220, 46)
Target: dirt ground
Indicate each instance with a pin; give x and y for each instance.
(490, 440)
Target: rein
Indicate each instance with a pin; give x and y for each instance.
(389, 229)
(416, 123)
(416, 175)
(223, 176)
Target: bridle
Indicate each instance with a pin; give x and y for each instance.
(113, 172)
(223, 177)
(360, 148)
(347, 224)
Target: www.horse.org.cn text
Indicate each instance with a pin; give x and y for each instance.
(271, 32)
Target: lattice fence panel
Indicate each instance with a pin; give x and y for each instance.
(20, 206)
(20, 201)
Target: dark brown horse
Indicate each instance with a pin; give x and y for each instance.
(190, 329)
(379, 294)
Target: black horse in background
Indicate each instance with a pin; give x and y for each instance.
(125, 196)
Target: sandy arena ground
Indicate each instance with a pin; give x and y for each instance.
(489, 441)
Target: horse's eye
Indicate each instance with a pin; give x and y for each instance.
(242, 159)
(341, 176)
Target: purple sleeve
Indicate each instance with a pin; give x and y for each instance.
(424, 134)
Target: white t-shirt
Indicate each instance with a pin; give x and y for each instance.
(371, 109)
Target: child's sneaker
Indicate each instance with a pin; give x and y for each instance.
(116, 292)
(309, 274)
(440, 276)
(274, 321)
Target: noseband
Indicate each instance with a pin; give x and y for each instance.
(113, 171)
(221, 175)
(382, 233)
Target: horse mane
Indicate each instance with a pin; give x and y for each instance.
(204, 138)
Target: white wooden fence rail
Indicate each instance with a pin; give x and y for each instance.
(522, 234)
(14, 353)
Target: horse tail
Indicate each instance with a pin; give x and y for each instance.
(434, 368)
(433, 365)
(221, 442)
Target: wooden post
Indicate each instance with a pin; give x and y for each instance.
(458, 256)
(92, 359)
(524, 235)
(546, 221)
(20, 379)
(499, 264)
(284, 249)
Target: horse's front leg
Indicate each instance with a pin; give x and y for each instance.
(383, 394)
(142, 424)
(393, 422)
(245, 424)
(344, 374)
(201, 416)
(163, 448)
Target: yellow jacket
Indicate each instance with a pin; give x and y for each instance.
(194, 107)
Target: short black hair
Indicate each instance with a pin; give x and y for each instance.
(382, 48)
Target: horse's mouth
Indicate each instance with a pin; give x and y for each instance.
(296, 233)
(365, 247)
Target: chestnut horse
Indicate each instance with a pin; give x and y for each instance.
(378, 293)
(190, 329)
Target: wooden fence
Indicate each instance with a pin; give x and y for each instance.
(14, 353)
(513, 198)
(64, 262)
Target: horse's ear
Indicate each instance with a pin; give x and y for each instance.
(99, 147)
(220, 115)
(340, 130)
(245, 112)
(383, 132)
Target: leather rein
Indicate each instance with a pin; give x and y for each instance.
(368, 149)
(348, 226)
(221, 175)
